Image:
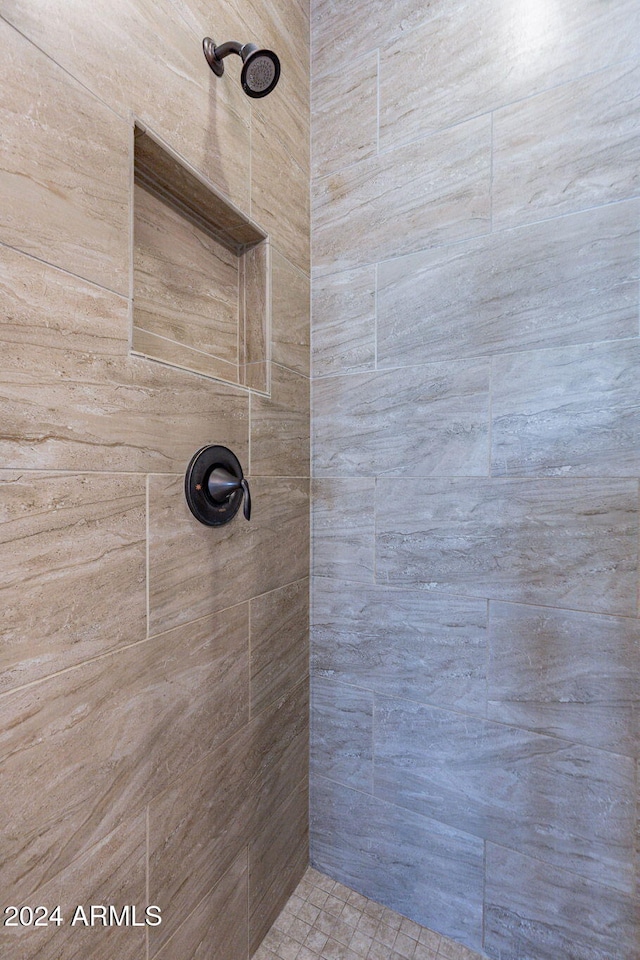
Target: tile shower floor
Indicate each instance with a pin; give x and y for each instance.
(324, 920)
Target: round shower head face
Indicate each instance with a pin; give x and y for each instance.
(260, 73)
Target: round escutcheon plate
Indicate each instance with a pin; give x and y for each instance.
(196, 485)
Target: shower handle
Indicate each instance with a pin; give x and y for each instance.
(215, 486)
(222, 485)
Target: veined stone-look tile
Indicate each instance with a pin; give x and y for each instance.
(495, 538)
(218, 927)
(280, 426)
(280, 745)
(401, 642)
(565, 804)
(202, 821)
(195, 570)
(569, 148)
(344, 322)
(278, 858)
(343, 529)
(345, 115)
(196, 829)
(572, 280)
(121, 729)
(417, 866)
(339, 32)
(186, 283)
(70, 396)
(287, 115)
(436, 190)
(279, 642)
(533, 913)
(570, 675)
(290, 306)
(176, 95)
(70, 544)
(112, 872)
(501, 55)
(65, 195)
(342, 733)
(281, 26)
(279, 195)
(431, 420)
(567, 411)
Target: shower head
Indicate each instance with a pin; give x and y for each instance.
(260, 70)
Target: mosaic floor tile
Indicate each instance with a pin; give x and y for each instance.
(324, 920)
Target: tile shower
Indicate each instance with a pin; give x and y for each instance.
(475, 220)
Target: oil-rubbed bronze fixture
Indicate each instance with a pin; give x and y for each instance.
(260, 70)
(215, 486)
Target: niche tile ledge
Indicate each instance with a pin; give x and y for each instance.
(201, 273)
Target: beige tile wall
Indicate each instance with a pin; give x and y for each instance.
(153, 681)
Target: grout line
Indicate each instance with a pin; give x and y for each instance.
(378, 101)
(375, 317)
(147, 552)
(492, 370)
(148, 879)
(491, 170)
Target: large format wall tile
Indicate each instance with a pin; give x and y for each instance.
(565, 543)
(121, 729)
(502, 54)
(567, 149)
(360, 422)
(572, 411)
(343, 529)
(279, 642)
(279, 195)
(417, 866)
(339, 31)
(438, 189)
(219, 924)
(345, 116)
(280, 426)
(290, 305)
(199, 824)
(196, 829)
(344, 322)
(342, 733)
(566, 804)
(69, 545)
(280, 745)
(405, 643)
(278, 857)
(533, 913)
(65, 194)
(567, 281)
(195, 570)
(113, 51)
(70, 396)
(111, 872)
(567, 674)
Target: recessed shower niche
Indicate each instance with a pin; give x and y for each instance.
(201, 273)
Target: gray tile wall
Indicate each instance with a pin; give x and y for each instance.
(476, 457)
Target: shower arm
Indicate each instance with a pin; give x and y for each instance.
(215, 55)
